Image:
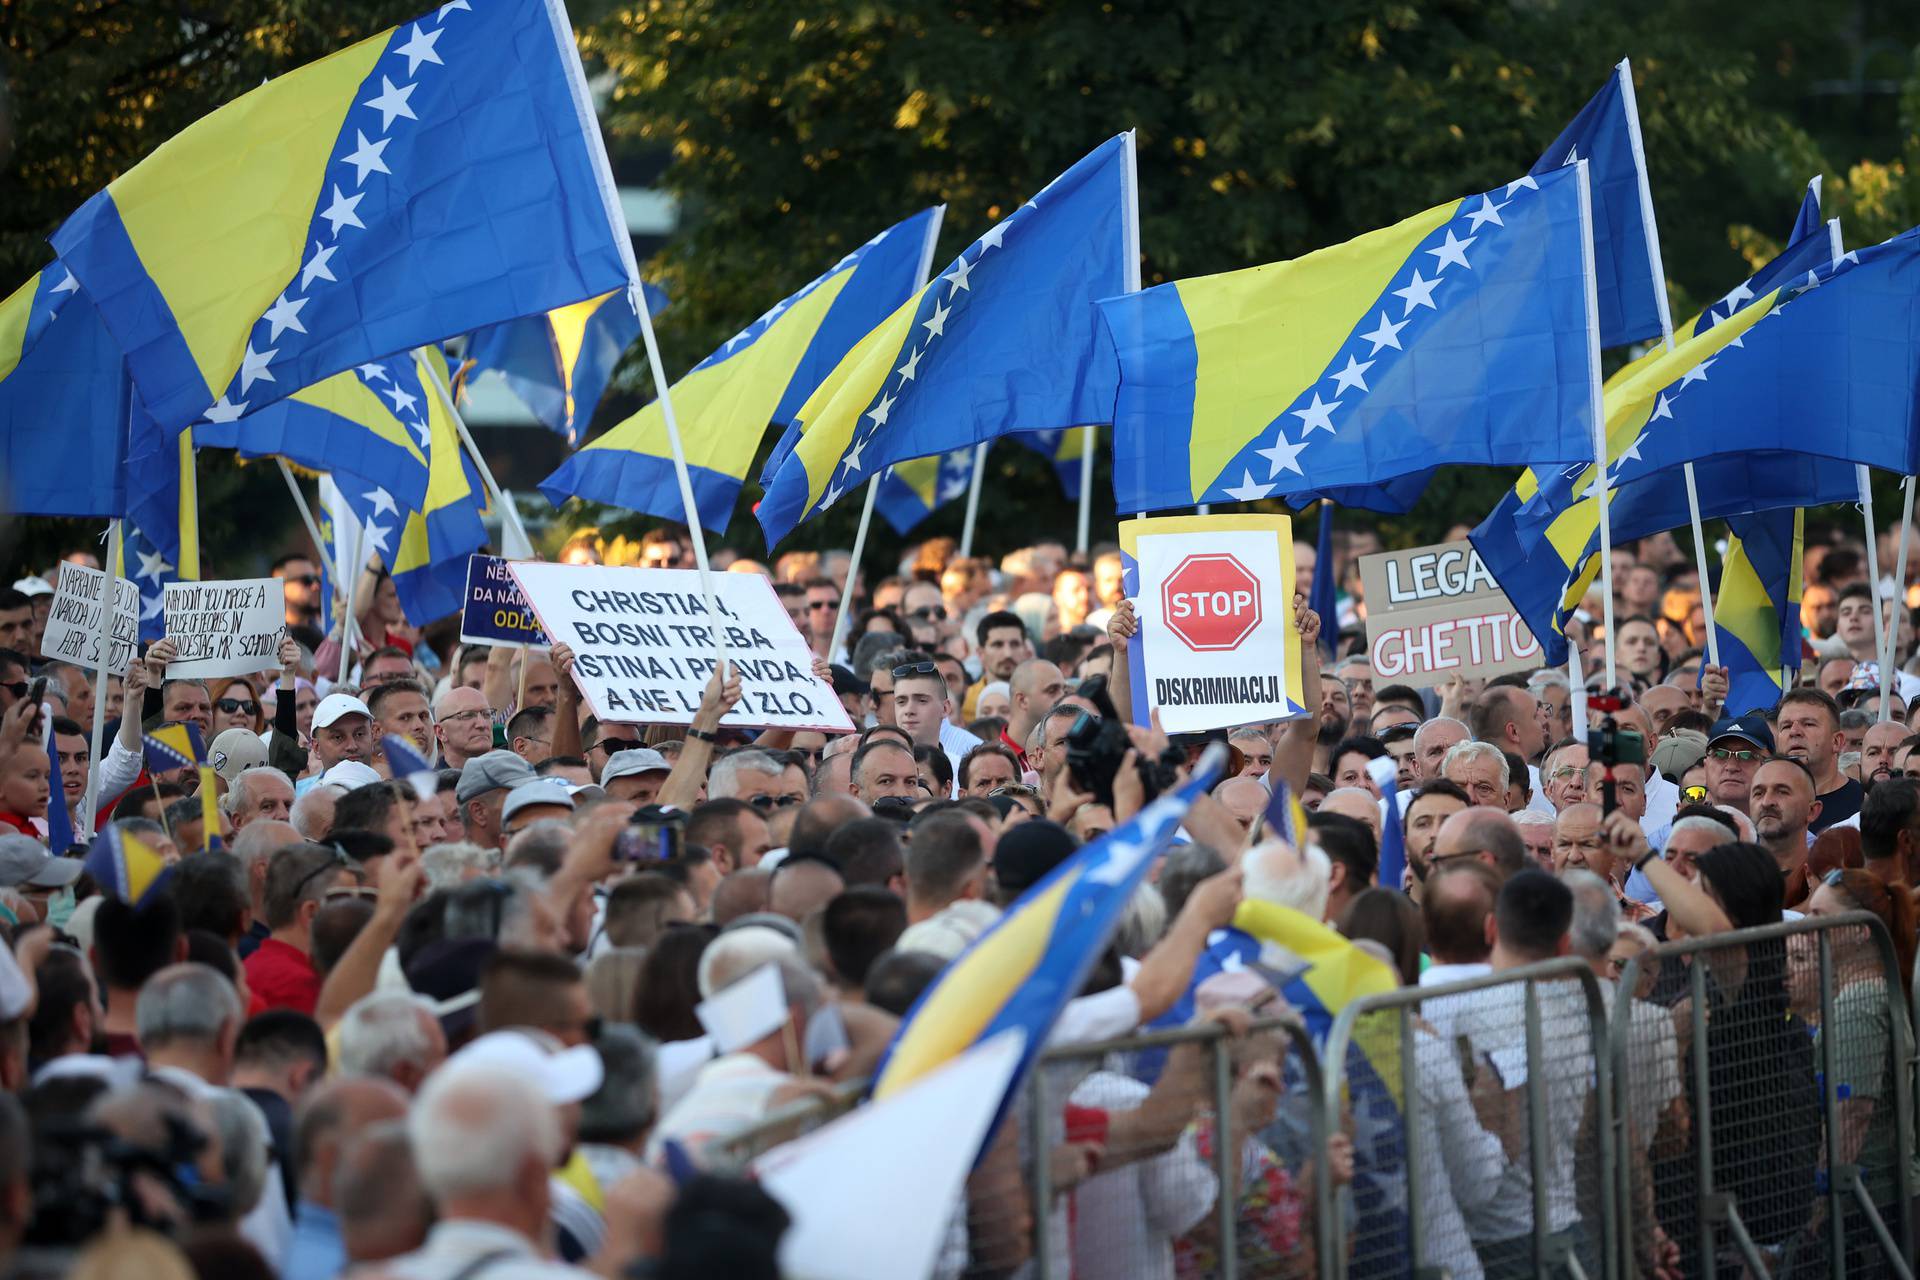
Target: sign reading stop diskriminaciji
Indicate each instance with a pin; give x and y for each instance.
(1214, 597)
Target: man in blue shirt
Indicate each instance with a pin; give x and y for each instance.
(332, 1115)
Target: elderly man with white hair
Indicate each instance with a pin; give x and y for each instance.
(1358, 804)
(1480, 770)
(393, 1035)
(1431, 743)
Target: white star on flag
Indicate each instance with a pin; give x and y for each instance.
(936, 324)
(1487, 212)
(253, 367)
(317, 265)
(419, 48)
(1247, 490)
(1739, 294)
(1811, 282)
(908, 370)
(1698, 373)
(403, 400)
(377, 537)
(382, 502)
(1283, 457)
(852, 459)
(450, 6)
(152, 565)
(373, 372)
(225, 410)
(880, 411)
(1418, 293)
(1318, 416)
(391, 102)
(958, 276)
(1661, 409)
(1454, 250)
(1526, 180)
(959, 457)
(340, 213)
(954, 486)
(153, 605)
(992, 239)
(1351, 376)
(1385, 334)
(67, 284)
(365, 158)
(419, 429)
(1629, 454)
(284, 315)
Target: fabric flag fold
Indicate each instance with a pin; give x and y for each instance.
(913, 490)
(161, 541)
(1322, 597)
(442, 175)
(761, 375)
(559, 363)
(1005, 339)
(1022, 972)
(1757, 609)
(64, 400)
(1807, 222)
(1461, 335)
(429, 564)
(126, 867)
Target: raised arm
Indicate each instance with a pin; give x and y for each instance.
(1293, 742)
(566, 705)
(682, 787)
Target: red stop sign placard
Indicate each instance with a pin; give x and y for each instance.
(1211, 602)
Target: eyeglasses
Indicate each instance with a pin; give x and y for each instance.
(611, 745)
(931, 612)
(231, 705)
(1695, 794)
(338, 892)
(906, 669)
(338, 862)
(1726, 753)
(458, 716)
(819, 604)
(304, 579)
(764, 801)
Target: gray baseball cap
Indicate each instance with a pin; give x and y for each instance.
(25, 863)
(494, 771)
(637, 760)
(539, 791)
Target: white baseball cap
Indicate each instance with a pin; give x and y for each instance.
(33, 587)
(563, 1075)
(335, 705)
(352, 775)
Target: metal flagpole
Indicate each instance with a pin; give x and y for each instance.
(1130, 231)
(1598, 409)
(1898, 604)
(973, 499)
(306, 518)
(1083, 529)
(1657, 270)
(873, 481)
(351, 584)
(1873, 561)
(109, 611)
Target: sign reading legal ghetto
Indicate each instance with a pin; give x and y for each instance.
(645, 642)
(1217, 645)
(1435, 612)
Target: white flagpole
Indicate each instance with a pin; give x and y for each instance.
(1130, 231)
(1898, 604)
(306, 518)
(1597, 407)
(1657, 270)
(1083, 529)
(109, 612)
(873, 481)
(973, 499)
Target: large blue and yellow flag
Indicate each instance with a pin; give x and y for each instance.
(1005, 340)
(1757, 609)
(913, 490)
(559, 363)
(126, 867)
(1022, 971)
(161, 533)
(64, 400)
(1459, 335)
(439, 176)
(369, 423)
(761, 375)
(1630, 284)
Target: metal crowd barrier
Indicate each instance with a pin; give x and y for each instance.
(1741, 1105)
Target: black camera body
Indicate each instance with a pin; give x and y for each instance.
(1097, 747)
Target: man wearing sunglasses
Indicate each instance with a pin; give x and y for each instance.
(1735, 751)
(302, 590)
(609, 739)
(760, 778)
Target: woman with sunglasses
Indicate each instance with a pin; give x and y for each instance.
(235, 706)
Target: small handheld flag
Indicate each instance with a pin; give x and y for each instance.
(1284, 816)
(1393, 835)
(126, 867)
(173, 746)
(409, 766)
(1324, 599)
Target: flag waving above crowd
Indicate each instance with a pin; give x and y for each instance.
(431, 844)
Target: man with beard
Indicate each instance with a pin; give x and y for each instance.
(1878, 750)
(1336, 713)
(1784, 807)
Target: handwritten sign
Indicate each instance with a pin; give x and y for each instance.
(496, 612)
(1435, 612)
(225, 628)
(645, 642)
(73, 628)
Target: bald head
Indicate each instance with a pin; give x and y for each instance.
(798, 889)
(1662, 703)
(1432, 741)
(1244, 798)
(331, 1116)
(1352, 802)
(1487, 834)
(740, 894)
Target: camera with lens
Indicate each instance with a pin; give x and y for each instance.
(655, 833)
(97, 1173)
(1097, 747)
(1610, 745)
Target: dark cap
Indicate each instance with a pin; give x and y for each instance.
(1025, 854)
(1752, 729)
(844, 681)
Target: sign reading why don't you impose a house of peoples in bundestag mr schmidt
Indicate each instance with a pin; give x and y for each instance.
(645, 642)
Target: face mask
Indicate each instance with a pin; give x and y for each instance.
(60, 907)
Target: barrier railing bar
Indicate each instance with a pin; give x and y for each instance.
(1830, 1105)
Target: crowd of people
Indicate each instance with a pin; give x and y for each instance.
(459, 1035)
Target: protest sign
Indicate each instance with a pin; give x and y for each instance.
(73, 627)
(1214, 597)
(496, 612)
(225, 628)
(645, 641)
(1435, 612)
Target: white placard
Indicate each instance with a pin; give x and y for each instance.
(1215, 607)
(73, 628)
(228, 628)
(645, 643)
(1435, 612)
(745, 1011)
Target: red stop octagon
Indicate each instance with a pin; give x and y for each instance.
(1211, 602)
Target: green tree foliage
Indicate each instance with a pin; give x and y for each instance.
(1265, 131)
